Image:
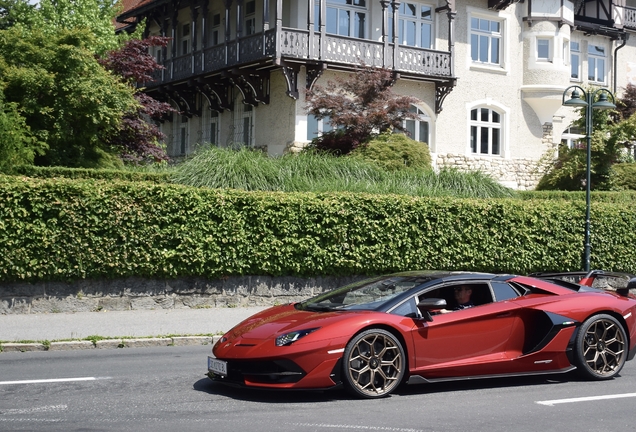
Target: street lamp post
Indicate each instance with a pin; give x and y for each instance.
(588, 103)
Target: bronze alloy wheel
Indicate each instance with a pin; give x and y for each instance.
(374, 363)
(600, 347)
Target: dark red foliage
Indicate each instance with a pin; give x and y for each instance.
(338, 142)
(360, 105)
(133, 62)
(627, 104)
(138, 139)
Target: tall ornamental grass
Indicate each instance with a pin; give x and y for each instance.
(314, 172)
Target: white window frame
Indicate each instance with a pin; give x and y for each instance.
(593, 61)
(504, 138)
(415, 129)
(321, 126)
(547, 43)
(351, 8)
(570, 138)
(418, 23)
(575, 53)
(486, 34)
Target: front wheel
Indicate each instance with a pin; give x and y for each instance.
(600, 347)
(374, 363)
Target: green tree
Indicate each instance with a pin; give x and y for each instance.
(17, 145)
(68, 100)
(613, 132)
(51, 16)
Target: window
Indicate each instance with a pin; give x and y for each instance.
(596, 63)
(211, 125)
(216, 29)
(182, 135)
(250, 18)
(415, 25)
(485, 131)
(485, 41)
(345, 17)
(543, 49)
(185, 39)
(571, 137)
(575, 61)
(243, 126)
(317, 127)
(418, 128)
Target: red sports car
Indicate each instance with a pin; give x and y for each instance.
(431, 326)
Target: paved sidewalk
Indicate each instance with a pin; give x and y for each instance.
(126, 324)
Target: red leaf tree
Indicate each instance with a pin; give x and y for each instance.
(139, 139)
(358, 107)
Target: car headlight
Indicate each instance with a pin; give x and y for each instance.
(289, 338)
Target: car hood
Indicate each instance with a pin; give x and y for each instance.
(279, 320)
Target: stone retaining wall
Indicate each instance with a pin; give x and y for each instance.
(523, 174)
(138, 293)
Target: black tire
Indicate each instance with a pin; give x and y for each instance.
(600, 350)
(374, 364)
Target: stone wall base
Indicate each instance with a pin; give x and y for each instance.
(139, 293)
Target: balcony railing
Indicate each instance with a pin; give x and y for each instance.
(629, 18)
(295, 44)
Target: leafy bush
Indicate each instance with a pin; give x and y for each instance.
(625, 175)
(395, 152)
(85, 173)
(63, 229)
(628, 197)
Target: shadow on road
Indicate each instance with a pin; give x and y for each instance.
(294, 396)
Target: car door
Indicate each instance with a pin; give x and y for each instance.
(468, 342)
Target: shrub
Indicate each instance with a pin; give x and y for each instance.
(61, 229)
(395, 152)
(625, 175)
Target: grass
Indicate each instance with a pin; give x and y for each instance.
(312, 172)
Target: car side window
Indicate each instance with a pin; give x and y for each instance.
(407, 309)
(503, 291)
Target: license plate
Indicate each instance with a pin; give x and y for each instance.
(217, 366)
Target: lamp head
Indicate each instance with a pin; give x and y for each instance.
(603, 103)
(575, 100)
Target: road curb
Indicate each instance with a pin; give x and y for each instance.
(108, 344)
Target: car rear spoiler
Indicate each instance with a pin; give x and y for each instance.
(623, 281)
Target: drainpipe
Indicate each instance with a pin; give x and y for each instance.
(625, 37)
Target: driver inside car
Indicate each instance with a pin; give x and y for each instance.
(463, 299)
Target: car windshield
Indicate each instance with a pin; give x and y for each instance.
(369, 294)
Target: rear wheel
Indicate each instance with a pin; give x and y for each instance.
(600, 347)
(374, 363)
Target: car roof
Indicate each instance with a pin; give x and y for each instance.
(452, 275)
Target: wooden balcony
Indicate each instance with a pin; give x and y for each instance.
(272, 48)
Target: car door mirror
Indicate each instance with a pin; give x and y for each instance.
(425, 306)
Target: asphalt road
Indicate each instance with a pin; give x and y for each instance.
(164, 389)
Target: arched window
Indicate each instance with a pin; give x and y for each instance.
(485, 131)
(418, 129)
(572, 136)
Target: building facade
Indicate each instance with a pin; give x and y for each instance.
(489, 75)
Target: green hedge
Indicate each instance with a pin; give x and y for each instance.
(61, 229)
(579, 196)
(87, 173)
